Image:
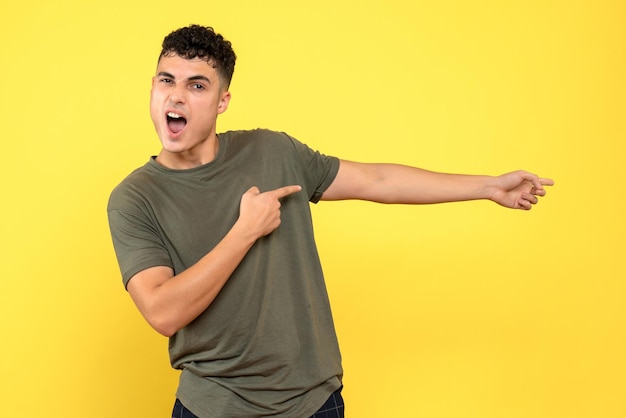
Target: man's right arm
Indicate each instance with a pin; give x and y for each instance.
(169, 302)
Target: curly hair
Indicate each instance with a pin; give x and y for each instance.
(202, 42)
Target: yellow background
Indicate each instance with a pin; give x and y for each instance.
(448, 311)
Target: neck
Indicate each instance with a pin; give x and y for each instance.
(201, 154)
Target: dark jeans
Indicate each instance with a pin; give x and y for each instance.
(333, 408)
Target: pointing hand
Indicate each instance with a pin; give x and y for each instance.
(259, 211)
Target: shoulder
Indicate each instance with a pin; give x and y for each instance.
(258, 142)
(257, 136)
(131, 188)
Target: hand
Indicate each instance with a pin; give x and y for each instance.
(518, 189)
(259, 213)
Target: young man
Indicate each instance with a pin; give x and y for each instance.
(215, 244)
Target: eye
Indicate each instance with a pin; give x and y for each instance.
(197, 86)
(166, 80)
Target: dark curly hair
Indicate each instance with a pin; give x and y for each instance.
(197, 41)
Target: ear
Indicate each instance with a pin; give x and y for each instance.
(223, 104)
(152, 86)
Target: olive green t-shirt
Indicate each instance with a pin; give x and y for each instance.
(267, 345)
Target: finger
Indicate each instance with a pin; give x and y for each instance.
(524, 204)
(539, 190)
(253, 190)
(285, 191)
(526, 200)
(532, 179)
(530, 198)
(537, 182)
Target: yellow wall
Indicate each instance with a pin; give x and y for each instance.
(462, 310)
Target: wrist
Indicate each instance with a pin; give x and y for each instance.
(489, 188)
(242, 233)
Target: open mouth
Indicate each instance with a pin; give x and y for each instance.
(175, 122)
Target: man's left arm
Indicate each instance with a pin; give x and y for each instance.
(395, 183)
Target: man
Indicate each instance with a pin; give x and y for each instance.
(215, 244)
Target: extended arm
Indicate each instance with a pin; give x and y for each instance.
(393, 183)
(169, 302)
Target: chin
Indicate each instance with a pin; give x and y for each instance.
(172, 146)
(171, 140)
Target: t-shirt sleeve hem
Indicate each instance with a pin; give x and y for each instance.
(128, 275)
(332, 173)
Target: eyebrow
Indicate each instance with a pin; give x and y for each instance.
(192, 78)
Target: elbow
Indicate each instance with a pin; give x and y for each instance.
(163, 324)
(161, 317)
(165, 329)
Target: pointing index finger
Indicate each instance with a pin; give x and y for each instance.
(537, 181)
(286, 191)
(546, 182)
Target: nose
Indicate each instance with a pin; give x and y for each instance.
(178, 93)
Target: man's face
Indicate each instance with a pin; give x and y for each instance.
(185, 100)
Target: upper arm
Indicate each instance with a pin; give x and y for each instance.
(354, 181)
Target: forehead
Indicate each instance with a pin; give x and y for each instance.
(184, 68)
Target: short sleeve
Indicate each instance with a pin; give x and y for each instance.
(319, 170)
(137, 244)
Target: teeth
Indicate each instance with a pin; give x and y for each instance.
(173, 115)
